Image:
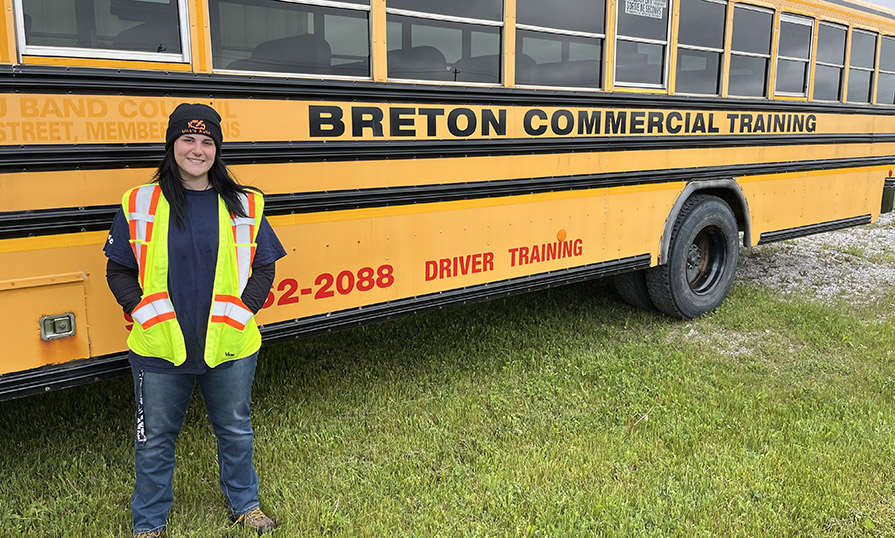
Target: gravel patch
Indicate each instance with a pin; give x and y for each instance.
(856, 264)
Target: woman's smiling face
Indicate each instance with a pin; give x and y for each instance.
(194, 155)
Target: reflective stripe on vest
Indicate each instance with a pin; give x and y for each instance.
(230, 310)
(243, 233)
(142, 205)
(153, 309)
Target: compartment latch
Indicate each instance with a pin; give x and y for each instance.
(57, 326)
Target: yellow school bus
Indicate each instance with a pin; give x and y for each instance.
(418, 153)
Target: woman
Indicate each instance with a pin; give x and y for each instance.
(191, 259)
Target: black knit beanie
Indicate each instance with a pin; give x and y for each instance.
(194, 118)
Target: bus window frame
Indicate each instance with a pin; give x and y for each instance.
(809, 75)
(661, 87)
(872, 70)
(769, 56)
(678, 45)
(185, 56)
(817, 61)
(458, 20)
(879, 69)
(566, 33)
(316, 76)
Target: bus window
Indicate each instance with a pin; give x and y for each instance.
(793, 55)
(125, 29)
(445, 41)
(560, 43)
(830, 62)
(641, 43)
(700, 46)
(750, 51)
(291, 37)
(885, 92)
(860, 66)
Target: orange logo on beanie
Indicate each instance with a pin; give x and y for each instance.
(196, 126)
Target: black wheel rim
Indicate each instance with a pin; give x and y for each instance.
(705, 259)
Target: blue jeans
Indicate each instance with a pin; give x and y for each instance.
(165, 398)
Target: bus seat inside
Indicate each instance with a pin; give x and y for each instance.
(352, 69)
(152, 36)
(478, 69)
(630, 66)
(526, 70)
(424, 62)
(306, 53)
(576, 73)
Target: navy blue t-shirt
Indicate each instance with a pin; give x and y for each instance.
(192, 256)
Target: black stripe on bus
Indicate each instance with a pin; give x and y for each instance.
(801, 231)
(54, 377)
(49, 158)
(73, 220)
(61, 376)
(73, 81)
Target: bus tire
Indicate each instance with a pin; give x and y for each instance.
(632, 288)
(702, 260)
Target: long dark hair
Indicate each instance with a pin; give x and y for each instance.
(219, 176)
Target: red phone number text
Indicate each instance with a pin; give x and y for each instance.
(327, 285)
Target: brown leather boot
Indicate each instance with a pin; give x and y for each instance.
(255, 519)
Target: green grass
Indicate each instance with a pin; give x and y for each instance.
(883, 258)
(853, 250)
(558, 413)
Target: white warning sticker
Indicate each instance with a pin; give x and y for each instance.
(646, 8)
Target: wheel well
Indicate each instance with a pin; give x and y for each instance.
(733, 199)
(725, 189)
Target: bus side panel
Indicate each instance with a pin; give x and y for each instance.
(346, 259)
(784, 201)
(341, 260)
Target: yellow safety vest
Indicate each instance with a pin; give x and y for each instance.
(232, 332)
